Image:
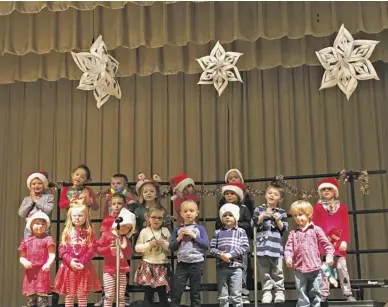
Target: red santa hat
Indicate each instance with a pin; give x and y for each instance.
(35, 216)
(235, 187)
(329, 183)
(234, 170)
(41, 175)
(232, 208)
(128, 219)
(179, 183)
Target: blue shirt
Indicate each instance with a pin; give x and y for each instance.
(232, 241)
(190, 250)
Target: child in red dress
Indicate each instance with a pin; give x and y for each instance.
(333, 217)
(78, 191)
(106, 247)
(77, 276)
(37, 253)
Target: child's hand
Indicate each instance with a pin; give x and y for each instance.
(191, 233)
(32, 196)
(343, 246)
(76, 265)
(113, 249)
(225, 257)
(153, 243)
(277, 216)
(181, 233)
(46, 267)
(27, 264)
(289, 263)
(124, 244)
(161, 242)
(329, 261)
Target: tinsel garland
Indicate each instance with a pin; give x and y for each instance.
(362, 178)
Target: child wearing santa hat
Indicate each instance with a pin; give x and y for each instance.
(333, 217)
(106, 246)
(183, 189)
(229, 245)
(37, 253)
(38, 200)
(234, 193)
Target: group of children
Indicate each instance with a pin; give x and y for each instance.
(322, 233)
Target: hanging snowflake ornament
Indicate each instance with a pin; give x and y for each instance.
(346, 62)
(219, 68)
(99, 70)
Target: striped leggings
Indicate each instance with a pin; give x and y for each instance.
(82, 300)
(110, 288)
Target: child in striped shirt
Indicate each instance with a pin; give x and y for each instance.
(229, 245)
(271, 223)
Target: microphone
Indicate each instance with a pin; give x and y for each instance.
(119, 220)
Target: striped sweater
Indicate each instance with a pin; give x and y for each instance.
(269, 236)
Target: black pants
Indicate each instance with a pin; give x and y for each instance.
(184, 271)
(162, 293)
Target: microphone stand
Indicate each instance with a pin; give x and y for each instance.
(118, 251)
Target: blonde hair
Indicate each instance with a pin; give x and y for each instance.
(301, 206)
(69, 227)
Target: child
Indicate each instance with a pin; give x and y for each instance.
(76, 275)
(148, 197)
(183, 188)
(229, 245)
(79, 177)
(106, 246)
(153, 244)
(271, 223)
(118, 184)
(234, 193)
(302, 253)
(38, 200)
(191, 242)
(117, 203)
(37, 253)
(332, 216)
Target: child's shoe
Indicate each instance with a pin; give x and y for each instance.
(351, 298)
(267, 297)
(279, 297)
(100, 303)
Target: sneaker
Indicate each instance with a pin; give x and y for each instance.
(245, 299)
(351, 298)
(279, 297)
(127, 301)
(100, 303)
(267, 297)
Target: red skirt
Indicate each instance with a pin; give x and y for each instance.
(74, 282)
(152, 275)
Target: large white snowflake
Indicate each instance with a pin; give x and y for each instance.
(219, 68)
(346, 62)
(99, 70)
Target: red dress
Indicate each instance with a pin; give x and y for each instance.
(335, 226)
(75, 282)
(36, 251)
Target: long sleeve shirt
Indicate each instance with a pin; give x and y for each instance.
(154, 255)
(302, 248)
(232, 241)
(69, 193)
(334, 225)
(45, 203)
(104, 244)
(269, 236)
(190, 250)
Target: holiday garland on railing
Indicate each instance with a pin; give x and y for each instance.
(361, 177)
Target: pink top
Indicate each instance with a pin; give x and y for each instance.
(302, 248)
(332, 224)
(104, 244)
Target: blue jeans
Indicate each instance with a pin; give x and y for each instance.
(229, 284)
(308, 288)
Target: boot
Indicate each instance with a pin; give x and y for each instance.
(267, 297)
(31, 300)
(42, 301)
(279, 297)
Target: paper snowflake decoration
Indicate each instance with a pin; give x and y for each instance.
(346, 62)
(219, 68)
(99, 70)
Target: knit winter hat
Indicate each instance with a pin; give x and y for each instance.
(37, 215)
(232, 208)
(128, 219)
(234, 170)
(235, 187)
(329, 183)
(41, 175)
(179, 183)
